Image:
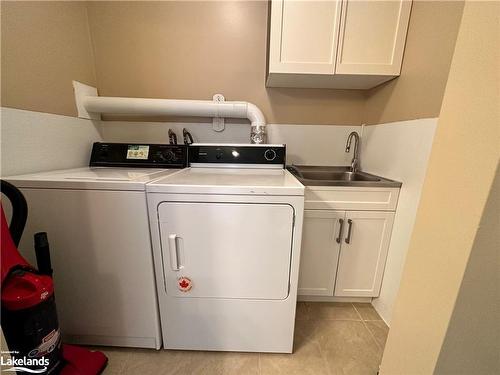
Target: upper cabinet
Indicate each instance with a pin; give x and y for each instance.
(350, 44)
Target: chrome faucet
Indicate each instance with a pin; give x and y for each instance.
(355, 157)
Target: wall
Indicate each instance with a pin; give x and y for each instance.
(135, 42)
(418, 92)
(34, 141)
(306, 144)
(192, 50)
(400, 151)
(477, 311)
(45, 45)
(145, 49)
(461, 169)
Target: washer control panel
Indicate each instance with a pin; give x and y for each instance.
(261, 154)
(138, 155)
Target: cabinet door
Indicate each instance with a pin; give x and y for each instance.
(372, 36)
(321, 238)
(303, 36)
(364, 251)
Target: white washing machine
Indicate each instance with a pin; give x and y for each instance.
(97, 224)
(226, 239)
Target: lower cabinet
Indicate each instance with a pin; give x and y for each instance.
(344, 252)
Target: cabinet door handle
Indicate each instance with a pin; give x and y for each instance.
(341, 222)
(348, 238)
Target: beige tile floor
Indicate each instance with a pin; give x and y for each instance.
(330, 339)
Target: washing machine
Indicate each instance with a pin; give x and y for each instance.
(226, 236)
(96, 218)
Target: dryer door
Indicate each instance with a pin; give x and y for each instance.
(226, 250)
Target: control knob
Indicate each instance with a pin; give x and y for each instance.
(169, 156)
(270, 154)
(166, 156)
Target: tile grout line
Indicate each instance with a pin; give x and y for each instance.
(310, 318)
(338, 320)
(368, 329)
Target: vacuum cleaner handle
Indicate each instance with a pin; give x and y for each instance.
(19, 210)
(42, 252)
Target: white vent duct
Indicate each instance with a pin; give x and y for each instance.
(88, 104)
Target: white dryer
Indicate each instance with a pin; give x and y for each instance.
(97, 223)
(226, 239)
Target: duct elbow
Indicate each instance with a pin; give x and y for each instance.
(257, 124)
(255, 115)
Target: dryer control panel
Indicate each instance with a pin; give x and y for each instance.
(258, 155)
(137, 155)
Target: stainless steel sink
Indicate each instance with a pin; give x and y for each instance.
(337, 176)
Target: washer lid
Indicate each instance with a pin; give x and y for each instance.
(229, 181)
(104, 178)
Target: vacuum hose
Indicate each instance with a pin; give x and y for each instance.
(19, 210)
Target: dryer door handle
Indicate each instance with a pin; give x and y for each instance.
(174, 253)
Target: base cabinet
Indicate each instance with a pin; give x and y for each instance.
(344, 252)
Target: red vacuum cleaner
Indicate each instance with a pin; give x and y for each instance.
(29, 316)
